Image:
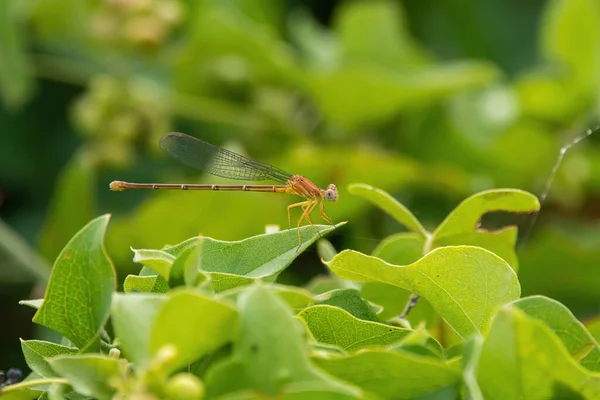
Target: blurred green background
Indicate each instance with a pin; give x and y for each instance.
(429, 100)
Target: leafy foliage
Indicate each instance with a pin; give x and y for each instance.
(223, 329)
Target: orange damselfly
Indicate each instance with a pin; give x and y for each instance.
(217, 161)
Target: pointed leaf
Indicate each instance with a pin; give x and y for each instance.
(332, 325)
(25, 394)
(466, 215)
(576, 339)
(158, 260)
(390, 205)
(465, 285)
(36, 352)
(77, 300)
(255, 257)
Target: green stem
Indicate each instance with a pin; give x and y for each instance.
(33, 383)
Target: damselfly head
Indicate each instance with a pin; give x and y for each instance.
(331, 193)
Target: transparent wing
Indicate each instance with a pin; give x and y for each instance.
(214, 160)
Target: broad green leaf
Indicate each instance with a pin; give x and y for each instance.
(133, 316)
(465, 285)
(194, 325)
(464, 218)
(576, 339)
(77, 300)
(16, 83)
(89, 374)
(570, 29)
(255, 257)
(521, 358)
(377, 32)
(72, 206)
(333, 325)
(350, 301)
(146, 284)
(400, 248)
(390, 205)
(501, 243)
(394, 375)
(268, 330)
(36, 352)
(158, 260)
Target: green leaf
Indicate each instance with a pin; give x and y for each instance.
(73, 204)
(89, 374)
(395, 375)
(147, 284)
(465, 285)
(390, 205)
(255, 257)
(194, 325)
(16, 84)
(221, 281)
(158, 260)
(466, 215)
(522, 358)
(187, 265)
(332, 325)
(566, 22)
(78, 296)
(576, 339)
(133, 316)
(400, 248)
(350, 301)
(501, 243)
(36, 352)
(268, 330)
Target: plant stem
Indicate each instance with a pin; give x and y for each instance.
(32, 383)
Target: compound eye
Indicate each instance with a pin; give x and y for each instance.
(330, 194)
